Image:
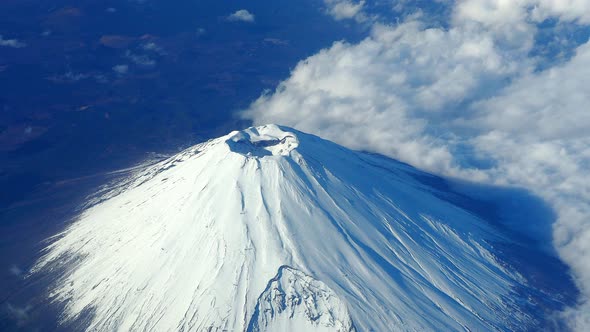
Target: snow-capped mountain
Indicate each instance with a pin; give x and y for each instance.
(271, 229)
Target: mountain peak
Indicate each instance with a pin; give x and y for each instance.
(263, 141)
(216, 238)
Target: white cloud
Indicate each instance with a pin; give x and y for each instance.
(504, 11)
(140, 59)
(396, 78)
(150, 49)
(241, 15)
(14, 43)
(19, 314)
(15, 270)
(446, 99)
(121, 69)
(151, 46)
(344, 9)
(547, 105)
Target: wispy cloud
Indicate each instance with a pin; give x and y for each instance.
(241, 15)
(15, 270)
(151, 46)
(14, 43)
(121, 69)
(140, 59)
(19, 314)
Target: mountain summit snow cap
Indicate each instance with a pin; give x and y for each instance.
(263, 141)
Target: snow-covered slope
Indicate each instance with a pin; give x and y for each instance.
(271, 229)
(293, 301)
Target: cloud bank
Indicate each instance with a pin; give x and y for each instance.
(466, 100)
(241, 15)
